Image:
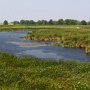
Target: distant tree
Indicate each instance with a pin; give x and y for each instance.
(22, 22)
(42, 22)
(50, 22)
(73, 22)
(60, 22)
(39, 22)
(83, 22)
(55, 22)
(5, 22)
(31, 22)
(68, 21)
(89, 23)
(16, 22)
(27, 22)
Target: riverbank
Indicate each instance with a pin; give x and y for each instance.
(12, 42)
(33, 73)
(69, 36)
(75, 37)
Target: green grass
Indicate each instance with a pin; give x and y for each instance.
(35, 74)
(24, 27)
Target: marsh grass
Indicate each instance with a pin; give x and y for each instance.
(71, 37)
(35, 74)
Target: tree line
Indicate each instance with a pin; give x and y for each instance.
(49, 22)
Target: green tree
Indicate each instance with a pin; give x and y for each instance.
(5, 22)
(22, 22)
(60, 22)
(73, 22)
(39, 22)
(50, 22)
(27, 22)
(42, 22)
(16, 22)
(31, 22)
(89, 23)
(83, 22)
(68, 21)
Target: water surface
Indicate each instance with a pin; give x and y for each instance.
(12, 43)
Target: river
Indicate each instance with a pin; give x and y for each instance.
(11, 42)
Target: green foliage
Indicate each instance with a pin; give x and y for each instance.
(52, 22)
(27, 22)
(49, 22)
(42, 22)
(5, 22)
(60, 22)
(16, 22)
(22, 22)
(35, 74)
(89, 23)
(83, 22)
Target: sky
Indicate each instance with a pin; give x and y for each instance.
(44, 9)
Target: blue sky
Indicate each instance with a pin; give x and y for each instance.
(44, 9)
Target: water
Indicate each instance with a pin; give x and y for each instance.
(12, 43)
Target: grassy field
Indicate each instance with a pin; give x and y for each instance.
(73, 36)
(68, 36)
(35, 74)
(24, 27)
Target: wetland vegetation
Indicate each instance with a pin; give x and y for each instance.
(67, 36)
(35, 74)
(28, 73)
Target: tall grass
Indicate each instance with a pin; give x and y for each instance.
(35, 74)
